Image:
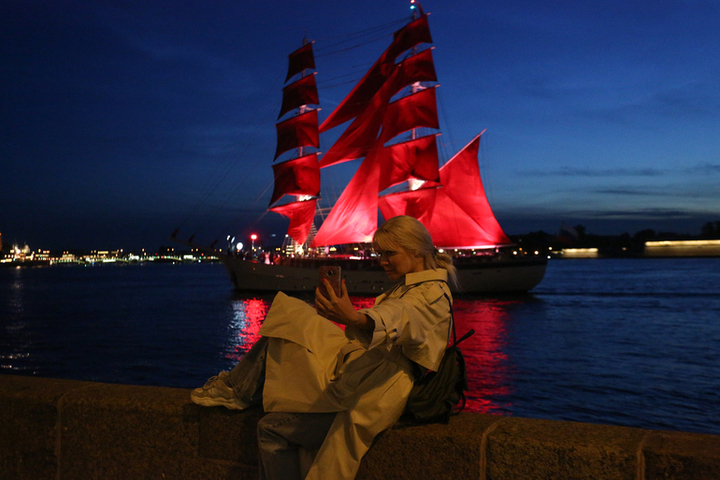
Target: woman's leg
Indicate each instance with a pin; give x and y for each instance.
(248, 377)
(240, 388)
(281, 435)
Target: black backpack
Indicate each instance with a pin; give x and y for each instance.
(435, 395)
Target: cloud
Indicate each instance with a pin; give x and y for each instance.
(641, 213)
(627, 191)
(691, 99)
(587, 172)
(565, 171)
(694, 100)
(680, 191)
(705, 168)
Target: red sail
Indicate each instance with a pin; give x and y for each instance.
(418, 68)
(300, 176)
(301, 215)
(461, 178)
(413, 111)
(300, 131)
(415, 203)
(299, 60)
(357, 100)
(357, 140)
(297, 94)
(457, 215)
(447, 223)
(410, 35)
(362, 133)
(353, 219)
(416, 158)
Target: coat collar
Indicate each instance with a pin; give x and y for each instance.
(426, 275)
(411, 279)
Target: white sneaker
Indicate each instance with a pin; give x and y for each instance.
(217, 393)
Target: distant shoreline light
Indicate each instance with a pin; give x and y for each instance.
(683, 243)
(580, 253)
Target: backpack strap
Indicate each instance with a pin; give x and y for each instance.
(452, 320)
(460, 358)
(452, 313)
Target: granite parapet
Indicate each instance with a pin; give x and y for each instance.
(66, 429)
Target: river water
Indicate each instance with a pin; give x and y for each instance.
(633, 342)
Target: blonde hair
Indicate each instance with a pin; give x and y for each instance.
(410, 235)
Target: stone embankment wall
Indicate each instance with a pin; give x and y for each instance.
(65, 429)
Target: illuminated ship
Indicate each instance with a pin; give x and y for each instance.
(387, 109)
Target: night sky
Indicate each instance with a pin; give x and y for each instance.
(122, 121)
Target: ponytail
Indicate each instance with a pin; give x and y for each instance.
(441, 259)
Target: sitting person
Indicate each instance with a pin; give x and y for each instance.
(329, 392)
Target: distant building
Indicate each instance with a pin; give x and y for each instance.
(683, 248)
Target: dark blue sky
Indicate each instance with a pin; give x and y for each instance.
(125, 120)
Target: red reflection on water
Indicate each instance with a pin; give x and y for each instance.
(489, 372)
(247, 317)
(362, 302)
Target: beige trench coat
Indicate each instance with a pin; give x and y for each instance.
(313, 366)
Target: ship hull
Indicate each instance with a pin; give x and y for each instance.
(364, 277)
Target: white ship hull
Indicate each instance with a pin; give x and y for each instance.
(484, 276)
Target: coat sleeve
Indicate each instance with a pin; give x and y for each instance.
(418, 322)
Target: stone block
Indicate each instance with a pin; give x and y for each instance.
(28, 420)
(435, 451)
(126, 431)
(541, 449)
(229, 435)
(682, 456)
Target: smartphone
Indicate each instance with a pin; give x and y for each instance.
(333, 275)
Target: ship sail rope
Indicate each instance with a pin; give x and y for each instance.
(213, 198)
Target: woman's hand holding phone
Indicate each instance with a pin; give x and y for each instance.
(339, 308)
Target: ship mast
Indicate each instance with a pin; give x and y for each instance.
(416, 8)
(302, 109)
(375, 121)
(298, 177)
(414, 184)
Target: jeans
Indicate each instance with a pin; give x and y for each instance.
(282, 435)
(248, 376)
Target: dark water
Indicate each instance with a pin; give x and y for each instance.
(622, 342)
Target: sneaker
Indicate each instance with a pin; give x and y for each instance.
(217, 393)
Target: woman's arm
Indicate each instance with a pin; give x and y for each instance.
(340, 309)
(418, 322)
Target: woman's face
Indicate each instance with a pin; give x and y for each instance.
(400, 262)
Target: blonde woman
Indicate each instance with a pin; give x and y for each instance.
(329, 392)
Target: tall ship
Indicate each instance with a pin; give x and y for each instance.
(393, 127)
